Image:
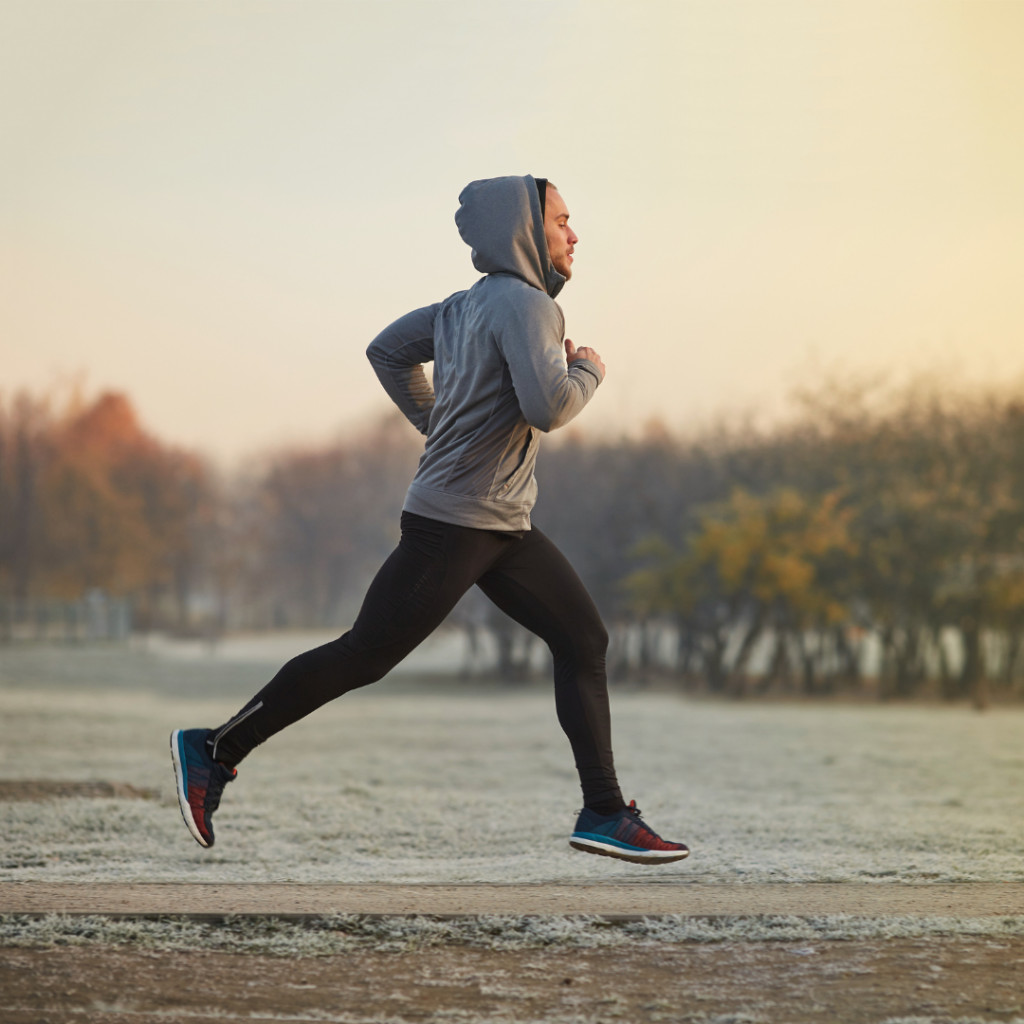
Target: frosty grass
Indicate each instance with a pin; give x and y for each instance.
(403, 782)
(345, 933)
(417, 783)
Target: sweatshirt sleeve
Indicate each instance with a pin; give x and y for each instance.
(530, 339)
(397, 356)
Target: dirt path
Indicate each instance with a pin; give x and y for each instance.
(857, 982)
(647, 897)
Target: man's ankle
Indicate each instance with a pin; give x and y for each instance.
(610, 805)
(225, 762)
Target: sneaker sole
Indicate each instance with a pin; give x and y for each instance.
(182, 789)
(638, 857)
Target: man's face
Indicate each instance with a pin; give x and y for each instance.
(561, 239)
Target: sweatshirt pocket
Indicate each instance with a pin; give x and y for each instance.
(514, 478)
(491, 457)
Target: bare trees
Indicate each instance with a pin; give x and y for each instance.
(314, 524)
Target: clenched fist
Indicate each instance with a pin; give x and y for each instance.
(572, 353)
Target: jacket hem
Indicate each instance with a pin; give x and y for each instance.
(465, 510)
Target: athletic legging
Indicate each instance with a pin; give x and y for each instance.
(435, 563)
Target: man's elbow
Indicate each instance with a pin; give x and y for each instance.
(375, 352)
(546, 420)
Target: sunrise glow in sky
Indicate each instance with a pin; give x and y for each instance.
(215, 207)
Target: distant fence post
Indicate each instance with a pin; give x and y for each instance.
(96, 617)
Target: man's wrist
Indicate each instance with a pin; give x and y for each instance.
(586, 364)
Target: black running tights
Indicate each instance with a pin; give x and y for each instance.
(435, 563)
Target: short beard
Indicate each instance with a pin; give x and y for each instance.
(564, 267)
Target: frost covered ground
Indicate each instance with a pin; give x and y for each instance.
(432, 783)
(345, 933)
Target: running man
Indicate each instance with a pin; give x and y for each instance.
(500, 380)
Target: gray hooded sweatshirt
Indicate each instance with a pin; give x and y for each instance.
(500, 377)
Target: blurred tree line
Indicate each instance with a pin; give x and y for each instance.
(91, 502)
(867, 538)
(887, 534)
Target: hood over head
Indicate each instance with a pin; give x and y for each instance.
(501, 219)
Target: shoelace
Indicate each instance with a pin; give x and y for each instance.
(634, 810)
(215, 787)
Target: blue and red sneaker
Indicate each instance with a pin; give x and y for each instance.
(625, 836)
(200, 781)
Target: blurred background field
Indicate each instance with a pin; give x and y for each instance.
(417, 780)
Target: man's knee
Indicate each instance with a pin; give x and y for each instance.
(586, 645)
(597, 638)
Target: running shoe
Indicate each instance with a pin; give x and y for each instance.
(625, 836)
(200, 781)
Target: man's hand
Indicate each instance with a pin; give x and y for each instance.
(572, 353)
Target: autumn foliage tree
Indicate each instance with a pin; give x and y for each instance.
(752, 564)
(902, 525)
(89, 500)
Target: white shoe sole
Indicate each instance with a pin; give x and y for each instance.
(183, 804)
(639, 857)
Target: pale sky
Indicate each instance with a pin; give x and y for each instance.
(216, 206)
